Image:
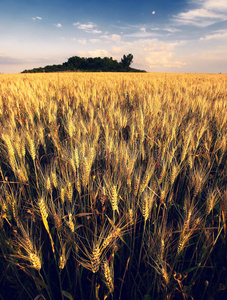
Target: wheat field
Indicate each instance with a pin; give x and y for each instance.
(113, 186)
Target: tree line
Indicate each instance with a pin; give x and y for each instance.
(90, 64)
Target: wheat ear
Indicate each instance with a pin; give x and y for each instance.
(108, 280)
(95, 258)
(44, 213)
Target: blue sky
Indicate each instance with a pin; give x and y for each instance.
(163, 36)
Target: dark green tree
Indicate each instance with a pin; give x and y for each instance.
(96, 64)
(126, 60)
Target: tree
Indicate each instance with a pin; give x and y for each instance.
(126, 60)
(96, 64)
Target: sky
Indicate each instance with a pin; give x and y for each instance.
(163, 36)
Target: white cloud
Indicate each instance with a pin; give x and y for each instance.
(82, 41)
(117, 50)
(149, 54)
(214, 55)
(171, 30)
(199, 17)
(58, 25)
(94, 41)
(155, 55)
(84, 26)
(89, 27)
(116, 38)
(158, 55)
(36, 18)
(113, 37)
(219, 34)
(208, 61)
(206, 13)
(99, 53)
(218, 5)
(96, 31)
(143, 29)
(142, 34)
(168, 29)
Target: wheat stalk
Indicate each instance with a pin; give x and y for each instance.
(107, 276)
(48, 184)
(184, 238)
(44, 214)
(146, 179)
(31, 144)
(26, 243)
(35, 261)
(95, 258)
(76, 156)
(211, 201)
(114, 198)
(70, 222)
(11, 151)
(54, 178)
(70, 191)
(111, 237)
(85, 172)
(174, 173)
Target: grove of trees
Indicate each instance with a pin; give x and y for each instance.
(90, 64)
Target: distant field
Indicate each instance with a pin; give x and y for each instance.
(113, 186)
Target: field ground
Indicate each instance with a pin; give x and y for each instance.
(113, 186)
